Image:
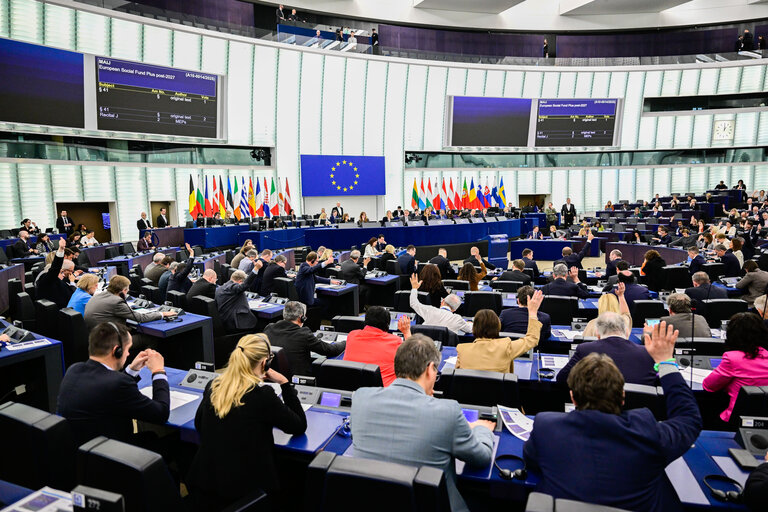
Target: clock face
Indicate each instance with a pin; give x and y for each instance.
(723, 130)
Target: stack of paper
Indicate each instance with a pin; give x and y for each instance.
(518, 424)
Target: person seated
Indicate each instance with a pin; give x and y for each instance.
(387, 255)
(370, 248)
(633, 290)
(111, 306)
(345, 219)
(86, 287)
(388, 217)
(566, 288)
(705, 242)
(703, 290)
(216, 220)
(407, 261)
(638, 213)
(756, 487)
(556, 234)
(179, 280)
(298, 341)
(373, 344)
(21, 248)
(246, 264)
(55, 284)
(721, 186)
(44, 243)
(469, 274)
(574, 260)
(682, 318)
(621, 457)
(89, 239)
(247, 246)
(746, 364)
(663, 237)
(610, 303)
(353, 273)
(443, 315)
(614, 279)
(232, 304)
(491, 353)
(527, 257)
(205, 286)
(608, 206)
(516, 319)
(30, 227)
(755, 282)
(476, 259)
(731, 262)
(362, 218)
(275, 269)
(652, 270)
(200, 221)
(381, 243)
(443, 264)
(516, 274)
(697, 260)
(162, 283)
(432, 284)
(100, 397)
(235, 421)
(405, 424)
(155, 273)
(598, 226)
(145, 244)
(686, 239)
(535, 234)
(614, 257)
(634, 362)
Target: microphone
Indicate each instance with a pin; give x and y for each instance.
(135, 318)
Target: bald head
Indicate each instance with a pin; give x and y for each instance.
(210, 275)
(67, 265)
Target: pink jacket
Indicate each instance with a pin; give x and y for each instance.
(736, 371)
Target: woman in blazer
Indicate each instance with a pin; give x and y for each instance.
(469, 274)
(651, 269)
(432, 283)
(746, 365)
(235, 422)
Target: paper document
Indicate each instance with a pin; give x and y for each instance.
(565, 333)
(696, 375)
(143, 310)
(518, 424)
(686, 485)
(306, 407)
(27, 344)
(554, 362)
(257, 304)
(178, 398)
(451, 360)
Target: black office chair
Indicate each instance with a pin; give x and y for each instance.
(222, 276)
(29, 287)
(25, 310)
(15, 287)
(135, 287)
(561, 309)
(83, 260)
(38, 450)
(136, 269)
(480, 387)
(197, 250)
(717, 310)
(111, 252)
(347, 375)
(152, 293)
(286, 287)
(713, 270)
(347, 323)
(403, 300)
(475, 301)
(73, 334)
(177, 298)
(675, 276)
(223, 342)
(456, 284)
(46, 317)
(638, 396)
(751, 401)
(642, 309)
(127, 248)
(392, 267)
(10, 252)
(139, 475)
(3, 256)
(506, 286)
(280, 362)
(335, 482)
(438, 333)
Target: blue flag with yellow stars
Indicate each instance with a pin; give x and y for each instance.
(339, 175)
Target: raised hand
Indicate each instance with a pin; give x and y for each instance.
(415, 283)
(660, 342)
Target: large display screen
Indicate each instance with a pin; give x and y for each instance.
(338, 175)
(41, 85)
(132, 97)
(490, 121)
(571, 122)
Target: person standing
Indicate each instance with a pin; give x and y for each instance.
(65, 224)
(375, 41)
(143, 223)
(551, 214)
(568, 212)
(279, 15)
(545, 50)
(162, 219)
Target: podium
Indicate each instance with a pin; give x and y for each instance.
(498, 246)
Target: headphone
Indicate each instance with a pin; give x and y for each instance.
(509, 474)
(118, 352)
(725, 496)
(546, 373)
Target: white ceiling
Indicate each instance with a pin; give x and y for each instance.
(487, 6)
(580, 7)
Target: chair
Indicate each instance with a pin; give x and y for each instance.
(475, 301)
(347, 323)
(506, 286)
(347, 375)
(223, 342)
(83, 260)
(38, 450)
(286, 287)
(127, 248)
(111, 252)
(197, 250)
(222, 274)
(637, 396)
(751, 401)
(403, 300)
(152, 293)
(177, 298)
(46, 317)
(561, 309)
(29, 287)
(392, 267)
(139, 475)
(138, 270)
(675, 276)
(25, 310)
(335, 482)
(717, 310)
(15, 287)
(281, 363)
(456, 284)
(73, 335)
(714, 270)
(642, 309)
(438, 333)
(135, 287)
(480, 387)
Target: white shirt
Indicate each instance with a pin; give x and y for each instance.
(88, 241)
(133, 373)
(441, 317)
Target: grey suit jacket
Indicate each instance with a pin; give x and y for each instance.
(755, 282)
(682, 322)
(107, 307)
(426, 431)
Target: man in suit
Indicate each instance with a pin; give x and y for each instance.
(100, 397)
(157, 259)
(527, 256)
(353, 273)
(614, 279)
(339, 209)
(570, 259)
(279, 15)
(205, 286)
(179, 278)
(143, 223)
(65, 224)
(162, 219)
(703, 290)
(731, 262)
(755, 282)
(297, 341)
(632, 359)
(156, 272)
(613, 259)
(535, 234)
(111, 306)
(404, 423)
(21, 248)
(633, 291)
(516, 319)
(568, 213)
(445, 267)
(407, 261)
(233, 306)
(559, 286)
(275, 269)
(682, 318)
(246, 264)
(621, 457)
(516, 274)
(145, 244)
(381, 243)
(663, 237)
(56, 284)
(307, 276)
(265, 259)
(474, 258)
(697, 260)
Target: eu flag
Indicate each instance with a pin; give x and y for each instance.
(339, 175)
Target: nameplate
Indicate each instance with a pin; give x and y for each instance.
(25, 345)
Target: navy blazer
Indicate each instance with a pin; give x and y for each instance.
(233, 307)
(515, 275)
(516, 320)
(446, 269)
(407, 264)
(529, 263)
(634, 292)
(619, 459)
(632, 359)
(272, 272)
(696, 263)
(535, 236)
(610, 267)
(574, 259)
(566, 289)
(305, 282)
(98, 401)
(731, 262)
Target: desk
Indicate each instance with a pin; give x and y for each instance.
(634, 254)
(549, 250)
(184, 342)
(29, 261)
(346, 300)
(215, 236)
(266, 310)
(126, 262)
(97, 253)
(166, 237)
(381, 290)
(273, 238)
(32, 240)
(206, 262)
(13, 271)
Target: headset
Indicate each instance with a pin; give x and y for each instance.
(725, 496)
(509, 474)
(118, 352)
(546, 373)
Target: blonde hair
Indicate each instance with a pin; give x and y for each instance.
(389, 248)
(227, 391)
(87, 281)
(327, 254)
(49, 257)
(608, 303)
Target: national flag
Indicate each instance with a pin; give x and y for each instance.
(244, 198)
(465, 195)
(265, 200)
(415, 195)
(487, 196)
(192, 198)
(238, 201)
(208, 210)
(230, 203)
(274, 207)
(495, 195)
(222, 199)
(428, 197)
(215, 198)
(443, 197)
(288, 208)
(456, 196)
(502, 194)
(280, 198)
(473, 203)
(436, 200)
(448, 197)
(422, 203)
(256, 200)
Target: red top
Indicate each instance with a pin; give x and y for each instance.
(374, 346)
